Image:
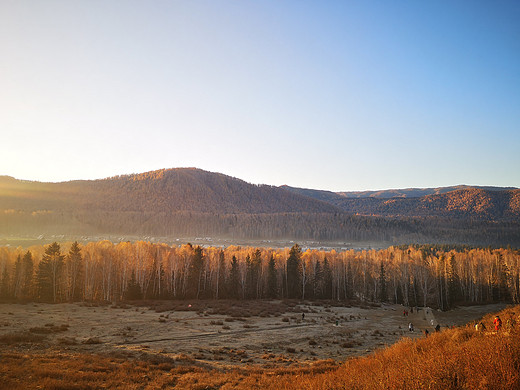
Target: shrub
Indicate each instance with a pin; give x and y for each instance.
(20, 337)
(92, 340)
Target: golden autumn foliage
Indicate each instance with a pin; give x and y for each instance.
(437, 277)
(459, 358)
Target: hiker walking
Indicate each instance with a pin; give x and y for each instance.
(410, 327)
(480, 327)
(498, 323)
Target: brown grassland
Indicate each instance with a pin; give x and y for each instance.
(458, 358)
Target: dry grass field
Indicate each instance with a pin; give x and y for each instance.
(241, 344)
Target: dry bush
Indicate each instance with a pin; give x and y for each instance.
(20, 337)
(235, 308)
(92, 340)
(348, 344)
(49, 328)
(67, 341)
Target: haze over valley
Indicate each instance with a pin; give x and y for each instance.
(189, 202)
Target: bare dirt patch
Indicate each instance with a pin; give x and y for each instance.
(254, 333)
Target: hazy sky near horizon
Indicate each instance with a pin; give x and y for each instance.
(337, 95)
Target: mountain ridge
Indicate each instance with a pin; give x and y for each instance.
(488, 203)
(191, 202)
(178, 189)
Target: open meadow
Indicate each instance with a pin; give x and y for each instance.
(83, 345)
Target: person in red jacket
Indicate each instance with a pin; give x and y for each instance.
(498, 323)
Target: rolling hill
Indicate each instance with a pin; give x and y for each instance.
(188, 202)
(462, 202)
(167, 190)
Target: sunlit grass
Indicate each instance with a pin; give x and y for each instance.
(460, 358)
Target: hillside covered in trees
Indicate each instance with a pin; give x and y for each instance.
(190, 202)
(413, 276)
(462, 202)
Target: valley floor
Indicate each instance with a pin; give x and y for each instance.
(214, 336)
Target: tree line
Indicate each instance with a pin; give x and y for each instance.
(296, 226)
(417, 275)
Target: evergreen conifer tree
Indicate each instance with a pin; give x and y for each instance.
(383, 294)
(74, 262)
(49, 275)
(272, 279)
(234, 279)
(327, 279)
(293, 272)
(133, 289)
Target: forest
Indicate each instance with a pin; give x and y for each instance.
(192, 203)
(434, 276)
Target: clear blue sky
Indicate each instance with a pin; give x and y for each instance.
(338, 95)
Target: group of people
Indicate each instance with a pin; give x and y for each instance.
(479, 325)
(497, 323)
(411, 326)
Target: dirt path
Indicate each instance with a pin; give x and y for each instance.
(217, 334)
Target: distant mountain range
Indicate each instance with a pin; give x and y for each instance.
(189, 201)
(394, 193)
(465, 202)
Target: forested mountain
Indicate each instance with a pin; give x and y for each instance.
(482, 203)
(167, 190)
(329, 196)
(190, 202)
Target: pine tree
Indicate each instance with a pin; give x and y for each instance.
(293, 272)
(234, 279)
(74, 265)
(5, 291)
(195, 273)
(272, 279)
(249, 279)
(318, 280)
(453, 290)
(221, 277)
(49, 273)
(383, 295)
(28, 273)
(503, 276)
(133, 289)
(255, 267)
(327, 279)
